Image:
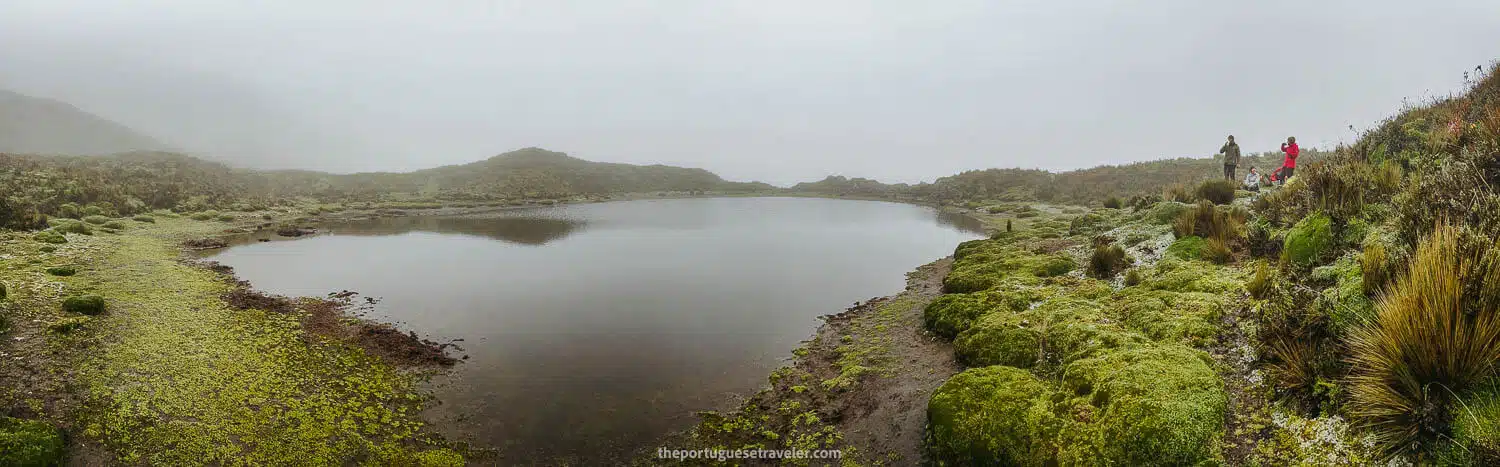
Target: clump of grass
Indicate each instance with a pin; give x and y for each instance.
(1178, 193)
(1374, 267)
(145, 219)
(1261, 282)
(203, 216)
(63, 271)
(47, 249)
(2, 291)
(225, 217)
(1107, 261)
(115, 225)
(1217, 251)
(1217, 191)
(84, 304)
(1133, 278)
(1436, 334)
(96, 219)
(1113, 203)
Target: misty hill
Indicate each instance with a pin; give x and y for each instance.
(33, 125)
(127, 183)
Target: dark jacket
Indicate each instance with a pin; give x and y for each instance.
(1231, 152)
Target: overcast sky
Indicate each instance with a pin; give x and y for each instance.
(778, 91)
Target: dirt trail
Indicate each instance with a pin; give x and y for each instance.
(1245, 419)
(884, 417)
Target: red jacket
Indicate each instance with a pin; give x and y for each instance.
(1291, 155)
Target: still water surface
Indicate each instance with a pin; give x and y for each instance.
(594, 329)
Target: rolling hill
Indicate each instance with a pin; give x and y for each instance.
(34, 125)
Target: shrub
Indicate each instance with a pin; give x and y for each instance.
(1261, 282)
(1133, 278)
(203, 216)
(68, 324)
(226, 217)
(1436, 333)
(146, 219)
(116, 225)
(50, 237)
(1217, 191)
(68, 210)
(62, 271)
(84, 304)
(1113, 203)
(2, 291)
(1107, 261)
(30, 443)
(1309, 240)
(47, 249)
(96, 219)
(1007, 225)
(92, 210)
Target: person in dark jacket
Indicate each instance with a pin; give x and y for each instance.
(1231, 152)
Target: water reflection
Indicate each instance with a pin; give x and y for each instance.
(522, 229)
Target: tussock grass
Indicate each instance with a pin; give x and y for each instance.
(1436, 334)
(1218, 191)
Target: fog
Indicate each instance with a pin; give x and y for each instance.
(778, 91)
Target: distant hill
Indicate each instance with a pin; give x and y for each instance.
(34, 125)
(32, 186)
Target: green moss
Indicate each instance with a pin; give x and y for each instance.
(225, 217)
(1187, 248)
(116, 225)
(146, 219)
(203, 216)
(1088, 224)
(96, 219)
(30, 443)
(1308, 240)
(50, 237)
(62, 271)
(951, 314)
(1188, 317)
(1151, 405)
(982, 264)
(1003, 338)
(84, 304)
(992, 416)
(1192, 276)
(1476, 432)
(439, 458)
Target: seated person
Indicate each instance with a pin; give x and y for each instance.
(1252, 180)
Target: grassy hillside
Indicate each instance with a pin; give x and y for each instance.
(44, 126)
(35, 187)
(1089, 187)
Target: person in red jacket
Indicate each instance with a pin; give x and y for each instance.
(1290, 165)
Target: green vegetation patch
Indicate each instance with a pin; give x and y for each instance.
(62, 271)
(68, 324)
(146, 219)
(982, 264)
(1187, 248)
(1309, 240)
(96, 219)
(1476, 432)
(995, 415)
(191, 381)
(30, 443)
(84, 304)
(50, 237)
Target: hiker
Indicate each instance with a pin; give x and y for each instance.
(1231, 152)
(1252, 180)
(1290, 165)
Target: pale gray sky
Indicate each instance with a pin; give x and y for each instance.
(779, 91)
